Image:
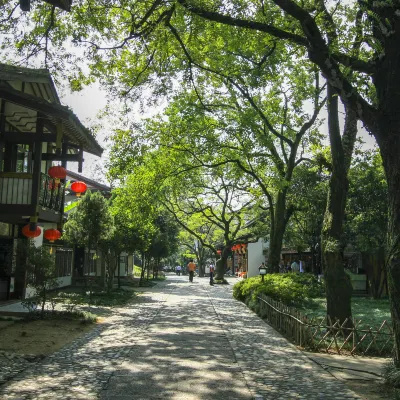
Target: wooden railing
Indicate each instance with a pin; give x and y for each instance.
(323, 334)
(16, 188)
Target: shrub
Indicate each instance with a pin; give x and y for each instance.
(392, 375)
(292, 289)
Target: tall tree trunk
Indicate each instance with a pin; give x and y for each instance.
(221, 264)
(337, 283)
(143, 269)
(277, 231)
(390, 151)
(373, 263)
(117, 259)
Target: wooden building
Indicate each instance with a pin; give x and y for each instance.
(36, 131)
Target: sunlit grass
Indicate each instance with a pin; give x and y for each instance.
(370, 311)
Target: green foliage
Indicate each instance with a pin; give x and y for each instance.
(392, 376)
(41, 266)
(292, 289)
(89, 222)
(83, 316)
(41, 269)
(371, 312)
(116, 297)
(367, 203)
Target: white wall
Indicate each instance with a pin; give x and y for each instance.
(38, 241)
(255, 256)
(130, 264)
(62, 282)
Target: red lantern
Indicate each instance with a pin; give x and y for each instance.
(26, 231)
(219, 252)
(57, 172)
(79, 187)
(52, 234)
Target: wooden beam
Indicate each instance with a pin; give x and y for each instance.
(61, 157)
(28, 137)
(59, 137)
(80, 165)
(64, 152)
(14, 212)
(37, 165)
(29, 101)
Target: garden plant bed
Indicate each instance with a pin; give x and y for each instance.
(41, 337)
(80, 296)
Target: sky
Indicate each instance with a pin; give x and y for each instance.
(86, 105)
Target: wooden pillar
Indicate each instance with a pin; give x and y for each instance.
(80, 163)
(64, 165)
(37, 169)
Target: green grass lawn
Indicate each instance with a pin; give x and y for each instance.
(137, 270)
(370, 311)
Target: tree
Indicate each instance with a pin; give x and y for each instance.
(308, 197)
(41, 268)
(262, 134)
(165, 240)
(90, 222)
(367, 217)
(327, 35)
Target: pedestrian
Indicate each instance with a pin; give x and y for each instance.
(212, 269)
(191, 268)
(178, 270)
(295, 266)
(288, 268)
(282, 267)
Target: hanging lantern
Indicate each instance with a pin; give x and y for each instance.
(52, 234)
(219, 252)
(57, 172)
(26, 231)
(79, 188)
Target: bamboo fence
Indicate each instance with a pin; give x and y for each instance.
(323, 334)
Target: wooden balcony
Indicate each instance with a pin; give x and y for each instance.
(17, 196)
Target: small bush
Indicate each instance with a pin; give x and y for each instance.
(392, 375)
(221, 282)
(292, 289)
(116, 297)
(84, 316)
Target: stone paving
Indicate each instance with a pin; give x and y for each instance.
(180, 341)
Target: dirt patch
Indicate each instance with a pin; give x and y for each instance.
(40, 336)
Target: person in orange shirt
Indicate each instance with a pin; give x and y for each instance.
(191, 268)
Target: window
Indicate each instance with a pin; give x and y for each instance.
(90, 264)
(64, 262)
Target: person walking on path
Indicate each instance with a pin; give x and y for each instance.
(212, 269)
(191, 268)
(295, 266)
(178, 270)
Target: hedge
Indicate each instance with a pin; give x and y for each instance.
(292, 289)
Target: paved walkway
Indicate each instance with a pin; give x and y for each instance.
(180, 341)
